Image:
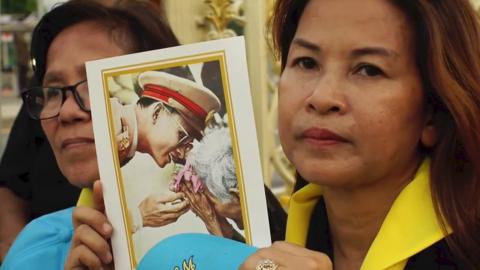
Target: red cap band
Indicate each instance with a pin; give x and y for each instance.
(163, 94)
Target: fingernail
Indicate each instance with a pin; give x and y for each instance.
(107, 228)
(108, 257)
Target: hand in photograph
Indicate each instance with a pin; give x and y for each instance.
(161, 209)
(230, 209)
(201, 205)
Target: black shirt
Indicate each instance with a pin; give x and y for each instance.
(28, 168)
(437, 256)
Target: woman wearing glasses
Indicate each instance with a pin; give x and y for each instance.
(60, 49)
(163, 123)
(170, 106)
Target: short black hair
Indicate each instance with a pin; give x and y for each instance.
(135, 26)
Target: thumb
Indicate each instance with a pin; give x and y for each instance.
(98, 203)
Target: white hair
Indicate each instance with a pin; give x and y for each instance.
(212, 160)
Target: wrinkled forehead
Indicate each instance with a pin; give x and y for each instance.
(61, 63)
(117, 33)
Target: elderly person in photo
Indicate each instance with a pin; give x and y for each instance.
(209, 181)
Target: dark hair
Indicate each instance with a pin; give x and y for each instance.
(133, 25)
(447, 37)
(145, 102)
(284, 24)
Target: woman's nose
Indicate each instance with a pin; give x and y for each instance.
(70, 111)
(328, 96)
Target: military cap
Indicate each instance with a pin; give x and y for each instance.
(195, 103)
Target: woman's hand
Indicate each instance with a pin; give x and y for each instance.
(90, 247)
(288, 256)
(162, 209)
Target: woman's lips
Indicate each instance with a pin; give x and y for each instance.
(76, 142)
(321, 136)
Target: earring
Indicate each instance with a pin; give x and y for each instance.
(429, 136)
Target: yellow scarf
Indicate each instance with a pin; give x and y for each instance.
(85, 198)
(410, 226)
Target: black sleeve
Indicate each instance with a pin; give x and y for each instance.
(437, 256)
(276, 215)
(16, 160)
(29, 168)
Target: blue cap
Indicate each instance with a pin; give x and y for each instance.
(196, 251)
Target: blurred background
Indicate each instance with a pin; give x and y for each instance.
(192, 21)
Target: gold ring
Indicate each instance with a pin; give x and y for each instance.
(266, 264)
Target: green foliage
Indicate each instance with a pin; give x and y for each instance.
(18, 6)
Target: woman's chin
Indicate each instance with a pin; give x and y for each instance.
(327, 173)
(81, 178)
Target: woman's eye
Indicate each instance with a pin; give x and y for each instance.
(52, 92)
(305, 63)
(369, 70)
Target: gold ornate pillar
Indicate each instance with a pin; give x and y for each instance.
(183, 17)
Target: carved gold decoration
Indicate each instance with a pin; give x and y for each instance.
(278, 161)
(221, 13)
(278, 172)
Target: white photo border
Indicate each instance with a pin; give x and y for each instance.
(231, 56)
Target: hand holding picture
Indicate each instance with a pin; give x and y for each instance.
(90, 247)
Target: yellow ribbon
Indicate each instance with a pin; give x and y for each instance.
(85, 198)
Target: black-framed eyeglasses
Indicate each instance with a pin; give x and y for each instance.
(45, 102)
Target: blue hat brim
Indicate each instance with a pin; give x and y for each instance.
(202, 251)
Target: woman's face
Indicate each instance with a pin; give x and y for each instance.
(351, 103)
(70, 134)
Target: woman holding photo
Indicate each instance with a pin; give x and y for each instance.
(379, 105)
(60, 49)
(378, 112)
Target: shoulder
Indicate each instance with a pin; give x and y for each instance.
(43, 243)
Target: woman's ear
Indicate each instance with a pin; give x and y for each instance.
(429, 136)
(429, 132)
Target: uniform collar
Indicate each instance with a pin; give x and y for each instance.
(410, 226)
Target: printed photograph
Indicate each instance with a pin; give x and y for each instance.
(175, 150)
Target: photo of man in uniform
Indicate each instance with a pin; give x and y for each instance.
(154, 133)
